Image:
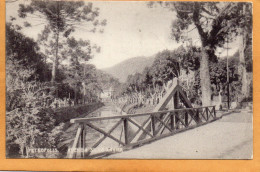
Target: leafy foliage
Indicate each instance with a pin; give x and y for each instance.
(165, 67)
(214, 22)
(27, 123)
(23, 51)
(31, 126)
(61, 19)
(30, 117)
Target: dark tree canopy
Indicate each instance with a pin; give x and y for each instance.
(165, 67)
(26, 52)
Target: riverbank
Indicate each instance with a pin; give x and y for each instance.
(109, 109)
(65, 114)
(134, 108)
(54, 124)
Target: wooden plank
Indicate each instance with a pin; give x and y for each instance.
(188, 104)
(167, 97)
(147, 132)
(160, 125)
(207, 113)
(176, 100)
(167, 120)
(126, 131)
(139, 134)
(186, 119)
(211, 113)
(135, 134)
(104, 137)
(197, 116)
(164, 124)
(202, 114)
(214, 110)
(192, 114)
(81, 120)
(185, 100)
(159, 137)
(103, 132)
(153, 125)
(160, 128)
(75, 143)
(179, 119)
(172, 121)
(82, 137)
(141, 142)
(192, 118)
(176, 120)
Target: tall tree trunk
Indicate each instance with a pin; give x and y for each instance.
(205, 78)
(55, 60)
(242, 65)
(204, 62)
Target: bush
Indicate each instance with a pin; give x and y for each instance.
(31, 126)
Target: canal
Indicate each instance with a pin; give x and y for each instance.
(92, 136)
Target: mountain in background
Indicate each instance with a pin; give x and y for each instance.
(128, 67)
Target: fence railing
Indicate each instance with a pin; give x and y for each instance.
(133, 130)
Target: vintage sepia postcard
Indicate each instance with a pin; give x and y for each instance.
(128, 80)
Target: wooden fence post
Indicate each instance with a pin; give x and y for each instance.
(214, 110)
(153, 125)
(186, 116)
(126, 131)
(73, 149)
(197, 116)
(207, 113)
(172, 121)
(82, 137)
(176, 106)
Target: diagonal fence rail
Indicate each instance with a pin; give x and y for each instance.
(149, 126)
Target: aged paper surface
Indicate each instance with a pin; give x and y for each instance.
(140, 158)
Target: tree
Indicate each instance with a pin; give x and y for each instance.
(243, 23)
(25, 52)
(27, 123)
(30, 125)
(82, 78)
(190, 63)
(60, 18)
(24, 63)
(189, 58)
(165, 67)
(211, 19)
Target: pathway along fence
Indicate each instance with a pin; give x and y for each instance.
(154, 126)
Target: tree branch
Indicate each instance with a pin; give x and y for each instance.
(217, 28)
(196, 21)
(206, 11)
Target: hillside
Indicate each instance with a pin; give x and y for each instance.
(129, 66)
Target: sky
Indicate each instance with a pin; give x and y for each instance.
(132, 30)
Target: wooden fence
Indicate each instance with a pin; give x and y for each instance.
(136, 129)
